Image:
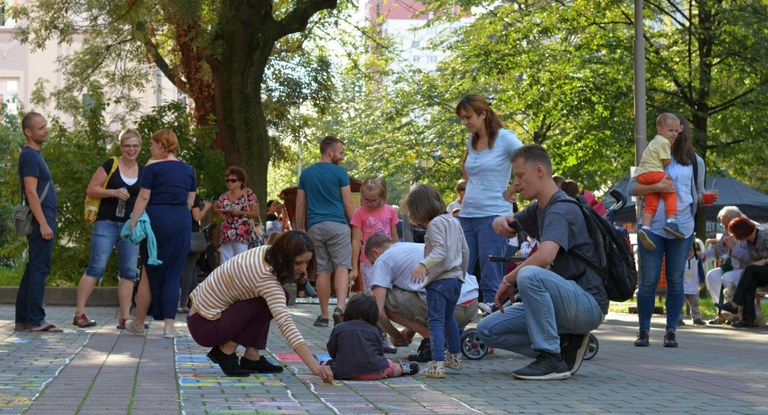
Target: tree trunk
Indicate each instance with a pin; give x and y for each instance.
(240, 116)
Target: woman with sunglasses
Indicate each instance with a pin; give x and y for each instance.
(236, 206)
(224, 319)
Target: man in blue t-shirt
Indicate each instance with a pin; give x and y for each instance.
(324, 208)
(40, 194)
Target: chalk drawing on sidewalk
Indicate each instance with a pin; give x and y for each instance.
(197, 373)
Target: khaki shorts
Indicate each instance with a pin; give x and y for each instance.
(465, 313)
(406, 303)
(333, 246)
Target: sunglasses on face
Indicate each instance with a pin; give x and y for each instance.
(232, 180)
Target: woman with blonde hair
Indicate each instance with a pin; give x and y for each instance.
(117, 186)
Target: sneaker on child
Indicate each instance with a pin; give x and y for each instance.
(453, 361)
(435, 370)
(643, 234)
(670, 225)
(409, 368)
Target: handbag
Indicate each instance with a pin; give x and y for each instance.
(92, 203)
(22, 216)
(257, 234)
(198, 243)
(257, 231)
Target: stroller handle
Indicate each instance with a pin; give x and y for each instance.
(620, 197)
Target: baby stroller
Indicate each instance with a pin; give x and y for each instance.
(207, 261)
(474, 349)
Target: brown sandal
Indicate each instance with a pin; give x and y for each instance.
(83, 321)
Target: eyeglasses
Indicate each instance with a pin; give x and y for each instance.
(232, 180)
(371, 201)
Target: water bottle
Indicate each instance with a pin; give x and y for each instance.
(120, 211)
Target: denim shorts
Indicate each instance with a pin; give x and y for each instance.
(105, 236)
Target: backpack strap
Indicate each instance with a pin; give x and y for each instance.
(594, 233)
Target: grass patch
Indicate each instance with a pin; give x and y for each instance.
(11, 276)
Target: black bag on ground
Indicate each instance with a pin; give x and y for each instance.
(616, 264)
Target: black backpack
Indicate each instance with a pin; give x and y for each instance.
(616, 264)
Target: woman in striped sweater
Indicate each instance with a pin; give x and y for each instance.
(237, 301)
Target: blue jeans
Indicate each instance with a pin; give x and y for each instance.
(482, 241)
(105, 236)
(551, 305)
(676, 252)
(29, 299)
(442, 296)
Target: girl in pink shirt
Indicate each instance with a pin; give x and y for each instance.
(372, 217)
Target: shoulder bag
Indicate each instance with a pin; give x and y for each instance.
(92, 203)
(22, 216)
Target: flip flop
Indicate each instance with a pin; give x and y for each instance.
(46, 328)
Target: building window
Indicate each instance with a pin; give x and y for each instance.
(9, 95)
(6, 15)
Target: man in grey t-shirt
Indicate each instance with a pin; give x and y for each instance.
(563, 299)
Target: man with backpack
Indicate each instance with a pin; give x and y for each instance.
(563, 297)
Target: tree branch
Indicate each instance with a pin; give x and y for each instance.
(297, 19)
(714, 109)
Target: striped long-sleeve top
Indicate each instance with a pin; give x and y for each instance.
(244, 277)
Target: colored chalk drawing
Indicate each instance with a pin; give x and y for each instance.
(34, 360)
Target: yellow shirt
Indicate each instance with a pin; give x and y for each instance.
(243, 277)
(658, 149)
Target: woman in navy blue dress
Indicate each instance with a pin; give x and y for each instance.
(168, 188)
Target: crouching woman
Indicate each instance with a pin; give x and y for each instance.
(237, 301)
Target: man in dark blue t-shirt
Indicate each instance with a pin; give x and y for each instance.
(324, 208)
(563, 299)
(40, 194)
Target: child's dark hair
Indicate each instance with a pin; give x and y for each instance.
(424, 203)
(362, 307)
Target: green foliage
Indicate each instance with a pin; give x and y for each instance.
(195, 145)
(560, 74)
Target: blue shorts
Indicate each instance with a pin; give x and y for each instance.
(106, 235)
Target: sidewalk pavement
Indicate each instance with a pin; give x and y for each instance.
(102, 370)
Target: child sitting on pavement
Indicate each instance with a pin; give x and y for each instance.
(656, 156)
(356, 346)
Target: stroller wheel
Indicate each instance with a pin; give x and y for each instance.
(592, 347)
(471, 346)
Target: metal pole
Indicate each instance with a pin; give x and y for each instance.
(639, 71)
(640, 111)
